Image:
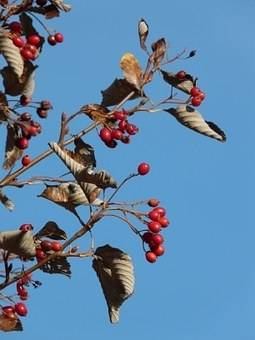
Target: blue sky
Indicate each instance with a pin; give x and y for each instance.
(203, 287)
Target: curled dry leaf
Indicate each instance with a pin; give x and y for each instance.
(192, 119)
(52, 231)
(18, 242)
(83, 153)
(82, 174)
(117, 91)
(143, 31)
(159, 52)
(4, 108)
(12, 55)
(28, 28)
(184, 85)
(61, 5)
(8, 324)
(12, 153)
(58, 265)
(132, 70)
(115, 272)
(96, 112)
(6, 201)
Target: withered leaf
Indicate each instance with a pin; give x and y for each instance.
(115, 272)
(52, 231)
(6, 201)
(58, 265)
(117, 91)
(184, 85)
(4, 108)
(18, 242)
(159, 52)
(61, 5)
(83, 175)
(98, 113)
(28, 28)
(143, 31)
(12, 153)
(192, 119)
(83, 153)
(10, 324)
(131, 70)
(12, 55)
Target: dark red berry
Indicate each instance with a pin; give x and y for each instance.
(24, 100)
(158, 250)
(116, 134)
(161, 211)
(25, 160)
(56, 246)
(40, 254)
(154, 215)
(46, 245)
(154, 226)
(41, 2)
(181, 75)
(37, 125)
(164, 222)
(31, 48)
(21, 290)
(26, 227)
(27, 54)
(132, 129)
(51, 40)
(143, 169)
(42, 113)
(59, 38)
(153, 202)
(112, 144)
(147, 236)
(18, 41)
(22, 143)
(105, 134)
(8, 309)
(21, 309)
(196, 101)
(123, 125)
(46, 105)
(195, 91)
(34, 40)
(202, 95)
(119, 115)
(125, 139)
(15, 27)
(150, 256)
(25, 117)
(157, 239)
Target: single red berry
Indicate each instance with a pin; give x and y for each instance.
(59, 38)
(202, 95)
(24, 100)
(40, 254)
(15, 27)
(150, 256)
(157, 239)
(31, 48)
(154, 215)
(18, 41)
(196, 101)
(158, 250)
(181, 75)
(161, 211)
(147, 236)
(154, 226)
(37, 125)
(116, 134)
(25, 117)
(56, 246)
(123, 125)
(105, 134)
(22, 143)
(46, 245)
(34, 40)
(25, 160)
(26, 227)
(21, 290)
(164, 222)
(125, 139)
(112, 144)
(143, 169)
(195, 91)
(21, 309)
(132, 129)
(46, 105)
(42, 113)
(119, 115)
(153, 202)
(27, 54)
(8, 309)
(24, 296)
(52, 40)
(41, 2)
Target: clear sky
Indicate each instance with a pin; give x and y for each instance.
(204, 286)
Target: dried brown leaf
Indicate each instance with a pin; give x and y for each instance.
(6, 201)
(189, 117)
(18, 242)
(4, 108)
(115, 272)
(143, 31)
(10, 324)
(98, 113)
(131, 70)
(58, 265)
(28, 28)
(52, 231)
(61, 5)
(12, 153)
(159, 52)
(117, 91)
(83, 153)
(184, 85)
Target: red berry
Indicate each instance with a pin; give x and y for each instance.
(46, 105)
(143, 169)
(21, 309)
(59, 38)
(56, 246)
(18, 41)
(24, 100)
(21, 290)
(37, 125)
(51, 40)
(158, 250)
(42, 113)
(116, 134)
(196, 101)
(46, 245)
(105, 134)
(112, 144)
(164, 222)
(8, 309)
(15, 27)
(119, 115)
(161, 211)
(147, 236)
(26, 227)
(34, 40)
(125, 139)
(40, 254)
(25, 117)
(154, 215)
(25, 160)
(150, 256)
(31, 48)
(154, 226)
(123, 125)
(181, 75)
(27, 54)
(195, 91)
(22, 143)
(157, 239)
(153, 202)
(41, 2)
(202, 95)
(132, 129)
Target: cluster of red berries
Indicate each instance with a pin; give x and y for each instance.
(197, 96)
(122, 131)
(11, 312)
(46, 246)
(152, 237)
